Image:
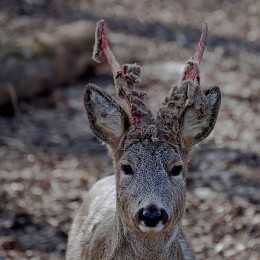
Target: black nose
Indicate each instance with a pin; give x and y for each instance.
(152, 215)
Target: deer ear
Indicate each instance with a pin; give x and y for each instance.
(194, 128)
(108, 121)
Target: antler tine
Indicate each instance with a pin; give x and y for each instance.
(201, 46)
(125, 77)
(101, 45)
(191, 70)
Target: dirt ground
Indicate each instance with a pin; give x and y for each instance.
(49, 157)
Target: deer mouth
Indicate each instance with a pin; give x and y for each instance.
(146, 229)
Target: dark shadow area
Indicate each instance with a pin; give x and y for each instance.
(23, 231)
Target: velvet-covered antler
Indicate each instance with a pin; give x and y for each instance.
(126, 78)
(188, 91)
(191, 70)
(187, 115)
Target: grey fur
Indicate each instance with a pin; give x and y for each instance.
(107, 225)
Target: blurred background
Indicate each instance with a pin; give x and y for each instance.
(48, 155)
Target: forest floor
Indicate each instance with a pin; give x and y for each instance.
(49, 157)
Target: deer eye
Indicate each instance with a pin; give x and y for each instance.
(127, 169)
(176, 170)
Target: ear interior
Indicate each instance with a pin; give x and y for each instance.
(195, 129)
(108, 121)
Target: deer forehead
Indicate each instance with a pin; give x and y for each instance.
(146, 152)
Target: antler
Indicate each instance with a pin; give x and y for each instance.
(125, 78)
(187, 92)
(101, 45)
(191, 70)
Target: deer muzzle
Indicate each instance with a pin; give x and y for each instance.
(152, 218)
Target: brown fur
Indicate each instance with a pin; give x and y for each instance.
(107, 225)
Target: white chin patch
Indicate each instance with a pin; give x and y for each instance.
(147, 229)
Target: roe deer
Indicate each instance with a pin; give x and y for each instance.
(137, 213)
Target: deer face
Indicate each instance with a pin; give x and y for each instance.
(151, 152)
(150, 170)
(151, 186)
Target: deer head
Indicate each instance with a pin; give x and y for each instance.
(151, 152)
